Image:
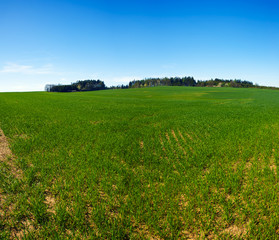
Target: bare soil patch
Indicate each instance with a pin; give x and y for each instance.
(141, 144)
(6, 156)
(50, 202)
(4, 147)
(236, 231)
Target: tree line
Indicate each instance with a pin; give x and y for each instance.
(93, 85)
(189, 81)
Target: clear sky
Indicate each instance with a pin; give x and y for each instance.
(62, 41)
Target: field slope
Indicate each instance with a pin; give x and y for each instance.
(150, 163)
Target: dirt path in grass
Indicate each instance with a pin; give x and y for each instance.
(4, 152)
(6, 156)
(7, 205)
(4, 147)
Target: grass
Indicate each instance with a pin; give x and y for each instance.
(151, 163)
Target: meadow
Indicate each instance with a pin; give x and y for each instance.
(148, 163)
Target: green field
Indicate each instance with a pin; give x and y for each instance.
(149, 163)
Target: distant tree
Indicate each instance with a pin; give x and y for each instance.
(81, 85)
(48, 87)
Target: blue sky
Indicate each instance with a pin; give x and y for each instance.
(117, 41)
